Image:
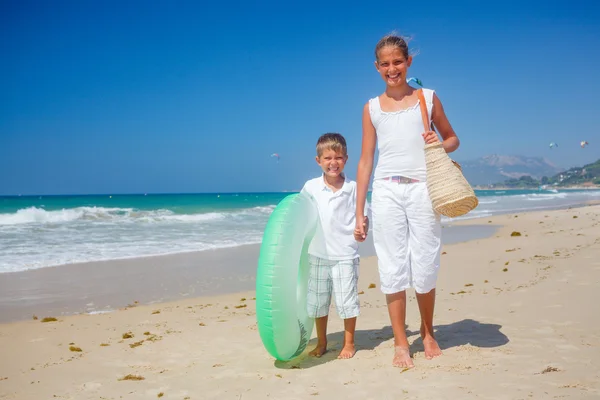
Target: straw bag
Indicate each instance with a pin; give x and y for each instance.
(450, 193)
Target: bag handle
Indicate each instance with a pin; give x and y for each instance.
(426, 123)
(424, 114)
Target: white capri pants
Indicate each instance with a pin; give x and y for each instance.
(407, 235)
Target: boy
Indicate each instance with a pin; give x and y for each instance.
(333, 252)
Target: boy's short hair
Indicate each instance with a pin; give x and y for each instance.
(331, 141)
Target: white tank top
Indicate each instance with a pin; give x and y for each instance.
(399, 139)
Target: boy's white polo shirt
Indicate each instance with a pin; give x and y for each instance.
(334, 238)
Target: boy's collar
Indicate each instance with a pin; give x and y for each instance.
(345, 187)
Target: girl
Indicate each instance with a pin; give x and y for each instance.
(406, 229)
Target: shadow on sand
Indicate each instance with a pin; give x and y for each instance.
(459, 333)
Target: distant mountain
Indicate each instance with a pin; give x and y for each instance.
(496, 168)
(586, 175)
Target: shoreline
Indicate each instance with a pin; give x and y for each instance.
(596, 187)
(105, 286)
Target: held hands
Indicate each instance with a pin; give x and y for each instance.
(362, 228)
(430, 137)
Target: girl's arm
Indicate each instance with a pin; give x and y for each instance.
(365, 164)
(449, 139)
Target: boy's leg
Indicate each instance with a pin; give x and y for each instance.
(390, 237)
(344, 276)
(318, 300)
(349, 349)
(425, 248)
(321, 326)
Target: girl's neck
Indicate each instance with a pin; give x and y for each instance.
(399, 91)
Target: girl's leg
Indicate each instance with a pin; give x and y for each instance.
(425, 247)
(390, 237)
(397, 309)
(426, 307)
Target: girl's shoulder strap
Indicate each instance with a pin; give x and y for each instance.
(426, 103)
(374, 103)
(428, 94)
(374, 107)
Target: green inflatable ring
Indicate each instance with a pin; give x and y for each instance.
(282, 277)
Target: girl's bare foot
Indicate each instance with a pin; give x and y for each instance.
(432, 349)
(348, 351)
(402, 357)
(319, 350)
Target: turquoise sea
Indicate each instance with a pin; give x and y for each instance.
(43, 231)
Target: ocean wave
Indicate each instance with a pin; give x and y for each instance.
(169, 216)
(544, 196)
(467, 216)
(39, 215)
(34, 215)
(261, 209)
(590, 193)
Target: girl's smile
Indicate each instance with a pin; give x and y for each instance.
(392, 65)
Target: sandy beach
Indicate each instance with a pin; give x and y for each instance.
(516, 318)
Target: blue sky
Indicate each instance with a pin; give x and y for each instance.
(183, 96)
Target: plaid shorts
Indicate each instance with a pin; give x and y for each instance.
(337, 277)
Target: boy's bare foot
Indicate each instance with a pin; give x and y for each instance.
(402, 358)
(319, 350)
(348, 351)
(432, 349)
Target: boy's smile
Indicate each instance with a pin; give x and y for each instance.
(332, 163)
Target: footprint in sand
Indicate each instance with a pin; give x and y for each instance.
(544, 331)
(567, 347)
(91, 386)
